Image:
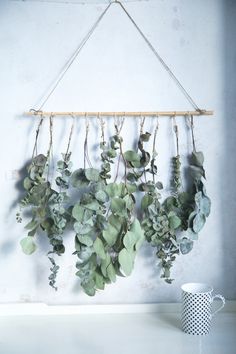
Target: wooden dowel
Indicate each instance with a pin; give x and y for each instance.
(126, 114)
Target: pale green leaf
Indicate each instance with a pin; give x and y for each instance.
(131, 156)
(99, 248)
(118, 206)
(78, 212)
(102, 196)
(126, 260)
(111, 272)
(198, 158)
(174, 221)
(92, 174)
(110, 235)
(198, 222)
(85, 240)
(28, 246)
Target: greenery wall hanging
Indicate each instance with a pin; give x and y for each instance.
(103, 209)
(103, 216)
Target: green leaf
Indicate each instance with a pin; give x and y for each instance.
(92, 174)
(94, 205)
(110, 235)
(129, 202)
(78, 212)
(174, 220)
(197, 172)
(99, 281)
(186, 246)
(28, 246)
(89, 290)
(104, 264)
(131, 156)
(133, 239)
(203, 203)
(126, 260)
(146, 201)
(31, 225)
(131, 187)
(99, 248)
(198, 222)
(102, 196)
(206, 206)
(114, 189)
(198, 158)
(145, 137)
(144, 160)
(118, 207)
(28, 183)
(78, 179)
(111, 272)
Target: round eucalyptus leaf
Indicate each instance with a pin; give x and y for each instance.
(186, 246)
(99, 248)
(198, 158)
(118, 206)
(146, 201)
(145, 137)
(78, 212)
(102, 196)
(28, 246)
(126, 260)
(174, 221)
(92, 174)
(85, 240)
(78, 179)
(111, 272)
(198, 222)
(131, 156)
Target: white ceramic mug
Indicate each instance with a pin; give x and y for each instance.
(197, 299)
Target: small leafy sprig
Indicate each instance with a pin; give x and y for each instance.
(59, 214)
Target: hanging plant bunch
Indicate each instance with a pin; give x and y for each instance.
(159, 224)
(107, 235)
(202, 203)
(46, 205)
(164, 223)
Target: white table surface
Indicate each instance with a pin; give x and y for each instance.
(145, 333)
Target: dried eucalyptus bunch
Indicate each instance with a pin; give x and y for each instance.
(48, 207)
(108, 236)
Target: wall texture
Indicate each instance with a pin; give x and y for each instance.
(116, 71)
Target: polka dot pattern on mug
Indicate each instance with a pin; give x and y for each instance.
(196, 313)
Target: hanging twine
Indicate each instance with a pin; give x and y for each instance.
(154, 138)
(102, 127)
(190, 125)
(86, 154)
(192, 133)
(176, 131)
(142, 122)
(70, 136)
(149, 44)
(50, 148)
(118, 124)
(35, 149)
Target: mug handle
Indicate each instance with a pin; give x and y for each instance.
(218, 296)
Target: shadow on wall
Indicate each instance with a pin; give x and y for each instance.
(228, 172)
